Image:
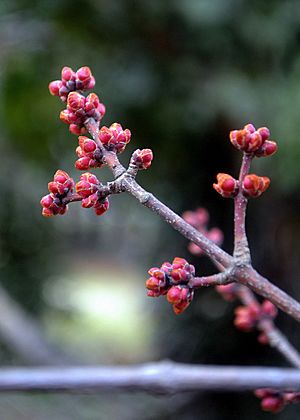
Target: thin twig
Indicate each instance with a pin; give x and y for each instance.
(161, 377)
(276, 338)
(241, 247)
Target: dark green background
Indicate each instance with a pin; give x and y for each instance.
(180, 75)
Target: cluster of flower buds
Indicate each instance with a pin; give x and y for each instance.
(89, 154)
(199, 220)
(114, 138)
(172, 280)
(79, 109)
(274, 400)
(59, 188)
(88, 188)
(254, 186)
(142, 159)
(227, 291)
(226, 185)
(254, 141)
(70, 81)
(247, 317)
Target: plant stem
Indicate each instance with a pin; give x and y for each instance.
(241, 247)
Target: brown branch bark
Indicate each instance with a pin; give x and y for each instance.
(161, 377)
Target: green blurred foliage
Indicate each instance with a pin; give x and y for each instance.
(180, 75)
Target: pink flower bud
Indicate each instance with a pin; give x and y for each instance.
(273, 404)
(88, 184)
(227, 186)
(114, 138)
(77, 129)
(254, 186)
(227, 291)
(87, 145)
(75, 101)
(142, 158)
(248, 139)
(101, 206)
(267, 149)
(62, 183)
(83, 163)
(67, 74)
(54, 87)
(264, 132)
(90, 201)
(84, 73)
(52, 206)
(269, 309)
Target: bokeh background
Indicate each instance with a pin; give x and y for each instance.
(180, 75)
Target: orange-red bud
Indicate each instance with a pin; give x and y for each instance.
(227, 186)
(254, 186)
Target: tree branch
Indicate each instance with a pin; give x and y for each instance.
(244, 274)
(162, 377)
(241, 247)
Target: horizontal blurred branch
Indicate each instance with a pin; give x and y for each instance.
(161, 377)
(24, 336)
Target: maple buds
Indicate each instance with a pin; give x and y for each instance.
(199, 220)
(70, 81)
(254, 186)
(274, 400)
(89, 189)
(172, 280)
(247, 316)
(79, 109)
(250, 140)
(61, 186)
(114, 138)
(89, 154)
(227, 186)
(142, 158)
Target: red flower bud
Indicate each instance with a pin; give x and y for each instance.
(142, 158)
(248, 139)
(75, 101)
(180, 297)
(67, 74)
(114, 138)
(52, 206)
(77, 129)
(157, 283)
(71, 81)
(267, 149)
(269, 309)
(88, 184)
(246, 317)
(101, 206)
(254, 186)
(87, 145)
(227, 291)
(62, 183)
(84, 73)
(264, 132)
(273, 404)
(90, 201)
(84, 163)
(227, 186)
(54, 87)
